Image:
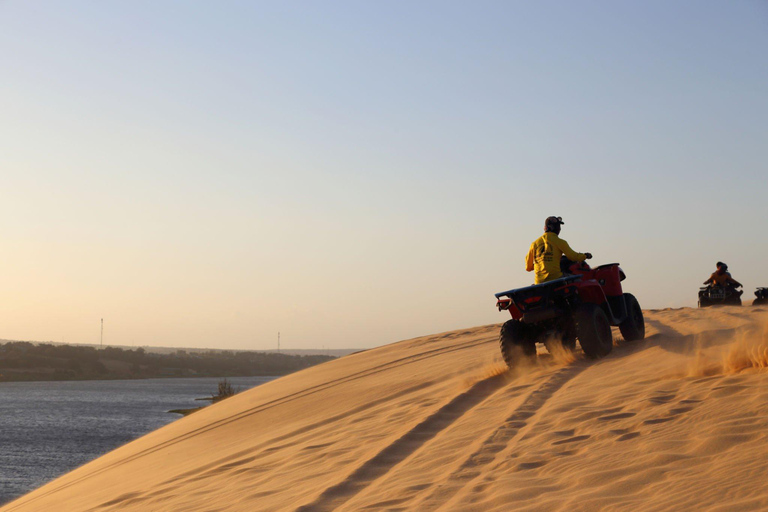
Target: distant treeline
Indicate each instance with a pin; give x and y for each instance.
(24, 361)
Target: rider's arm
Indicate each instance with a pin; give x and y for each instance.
(734, 282)
(570, 253)
(708, 281)
(529, 258)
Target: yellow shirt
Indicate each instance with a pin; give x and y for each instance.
(544, 257)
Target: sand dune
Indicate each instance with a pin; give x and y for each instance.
(676, 422)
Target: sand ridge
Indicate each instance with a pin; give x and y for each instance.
(675, 422)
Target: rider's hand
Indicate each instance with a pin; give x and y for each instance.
(588, 255)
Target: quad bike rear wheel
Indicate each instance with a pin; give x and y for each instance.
(633, 327)
(594, 331)
(517, 342)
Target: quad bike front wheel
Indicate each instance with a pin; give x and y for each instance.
(517, 342)
(594, 331)
(633, 327)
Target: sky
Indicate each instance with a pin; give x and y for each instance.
(350, 174)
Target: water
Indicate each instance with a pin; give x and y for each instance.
(50, 428)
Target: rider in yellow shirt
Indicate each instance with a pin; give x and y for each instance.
(544, 254)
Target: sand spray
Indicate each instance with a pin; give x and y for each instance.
(554, 355)
(746, 349)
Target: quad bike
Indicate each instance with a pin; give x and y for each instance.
(581, 306)
(719, 296)
(762, 296)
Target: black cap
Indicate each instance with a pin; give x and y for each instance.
(553, 223)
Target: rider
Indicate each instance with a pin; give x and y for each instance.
(721, 277)
(544, 254)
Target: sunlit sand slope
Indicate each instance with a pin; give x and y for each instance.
(676, 422)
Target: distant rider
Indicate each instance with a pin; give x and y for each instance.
(544, 254)
(721, 277)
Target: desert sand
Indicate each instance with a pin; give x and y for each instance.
(678, 421)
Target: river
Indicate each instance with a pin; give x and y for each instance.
(50, 428)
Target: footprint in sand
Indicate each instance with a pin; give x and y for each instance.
(677, 411)
(731, 389)
(657, 421)
(571, 440)
(616, 416)
(531, 465)
(317, 446)
(661, 399)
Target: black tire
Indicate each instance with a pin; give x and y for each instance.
(704, 303)
(633, 327)
(517, 342)
(594, 331)
(758, 302)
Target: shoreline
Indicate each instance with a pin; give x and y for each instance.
(124, 377)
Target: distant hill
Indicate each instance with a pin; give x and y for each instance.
(338, 352)
(26, 361)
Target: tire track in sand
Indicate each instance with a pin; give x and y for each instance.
(473, 466)
(399, 450)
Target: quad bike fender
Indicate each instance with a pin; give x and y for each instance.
(610, 277)
(614, 305)
(591, 292)
(618, 309)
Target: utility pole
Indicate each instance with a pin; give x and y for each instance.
(102, 333)
(278, 342)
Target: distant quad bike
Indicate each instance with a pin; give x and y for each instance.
(582, 306)
(719, 296)
(762, 296)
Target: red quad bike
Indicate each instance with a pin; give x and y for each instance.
(583, 306)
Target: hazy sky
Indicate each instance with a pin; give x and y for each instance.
(206, 174)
